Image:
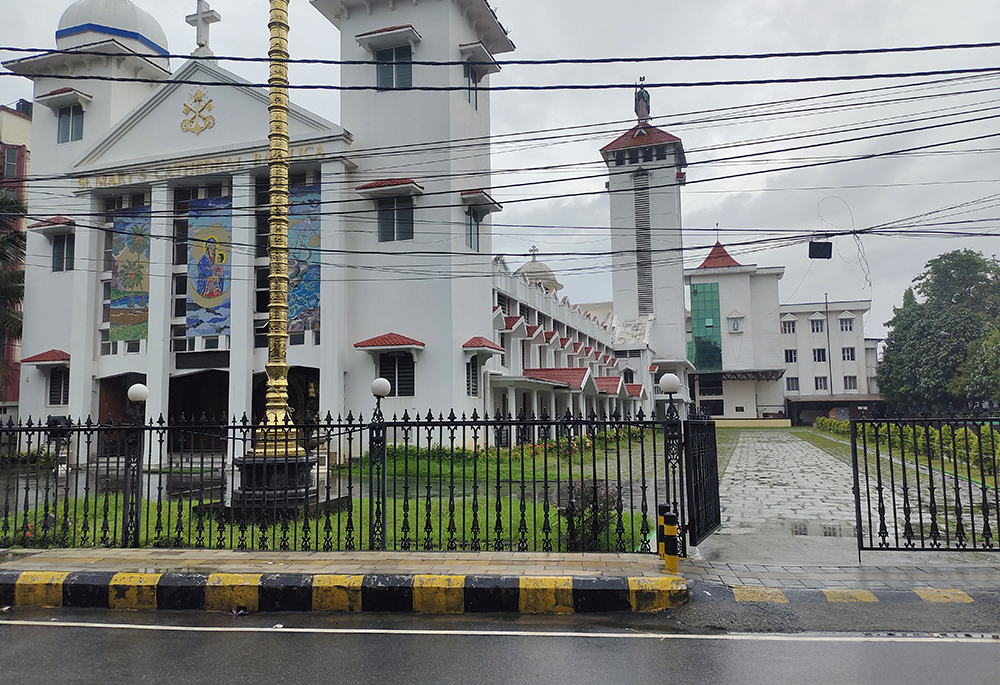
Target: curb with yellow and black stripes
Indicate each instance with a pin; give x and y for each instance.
(253, 592)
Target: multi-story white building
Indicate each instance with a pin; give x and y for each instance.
(155, 219)
(734, 343)
(829, 364)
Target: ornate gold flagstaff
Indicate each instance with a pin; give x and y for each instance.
(276, 411)
(275, 477)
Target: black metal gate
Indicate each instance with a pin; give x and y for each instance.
(926, 483)
(702, 475)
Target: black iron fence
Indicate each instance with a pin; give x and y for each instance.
(926, 483)
(408, 483)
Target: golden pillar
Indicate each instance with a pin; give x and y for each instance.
(276, 410)
(275, 476)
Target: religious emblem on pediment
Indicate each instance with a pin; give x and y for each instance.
(198, 110)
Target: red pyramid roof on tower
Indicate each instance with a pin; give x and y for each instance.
(642, 135)
(718, 258)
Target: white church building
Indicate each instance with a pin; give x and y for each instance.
(148, 257)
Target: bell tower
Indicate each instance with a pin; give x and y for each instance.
(645, 175)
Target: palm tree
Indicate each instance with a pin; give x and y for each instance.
(12, 250)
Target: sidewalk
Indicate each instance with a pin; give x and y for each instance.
(426, 582)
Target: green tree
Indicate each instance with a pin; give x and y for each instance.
(930, 341)
(12, 250)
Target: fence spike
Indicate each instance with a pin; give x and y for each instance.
(475, 415)
(452, 417)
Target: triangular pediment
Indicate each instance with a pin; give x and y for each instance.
(182, 120)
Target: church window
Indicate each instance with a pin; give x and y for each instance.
(59, 386)
(63, 247)
(262, 290)
(647, 154)
(619, 158)
(70, 124)
(179, 340)
(108, 346)
(629, 376)
(180, 296)
(397, 368)
(473, 219)
(10, 163)
(633, 156)
(846, 325)
(817, 325)
(472, 376)
(394, 70)
(661, 152)
(472, 79)
(788, 327)
(395, 219)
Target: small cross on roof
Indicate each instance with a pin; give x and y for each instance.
(204, 17)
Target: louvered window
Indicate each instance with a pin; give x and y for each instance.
(472, 376)
(643, 244)
(397, 368)
(394, 68)
(59, 386)
(395, 219)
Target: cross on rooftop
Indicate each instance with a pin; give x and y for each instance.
(534, 252)
(202, 19)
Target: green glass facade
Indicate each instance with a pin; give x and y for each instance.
(705, 350)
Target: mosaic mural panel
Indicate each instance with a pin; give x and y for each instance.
(304, 258)
(130, 275)
(210, 231)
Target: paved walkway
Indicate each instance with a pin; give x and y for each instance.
(788, 522)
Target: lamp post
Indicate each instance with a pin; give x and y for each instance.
(377, 469)
(137, 395)
(670, 384)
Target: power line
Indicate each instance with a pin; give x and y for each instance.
(547, 62)
(549, 87)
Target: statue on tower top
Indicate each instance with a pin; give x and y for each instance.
(642, 101)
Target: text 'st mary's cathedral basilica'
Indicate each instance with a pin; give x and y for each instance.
(148, 258)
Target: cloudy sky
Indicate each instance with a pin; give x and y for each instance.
(755, 122)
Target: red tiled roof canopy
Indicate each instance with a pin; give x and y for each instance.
(634, 389)
(50, 356)
(563, 341)
(642, 135)
(549, 335)
(388, 183)
(385, 30)
(389, 340)
(718, 258)
(480, 342)
(571, 377)
(510, 321)
(54, 221)
(532, 330)
(608, 384)
(576, 347)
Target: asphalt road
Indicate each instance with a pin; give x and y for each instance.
(39, 646)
